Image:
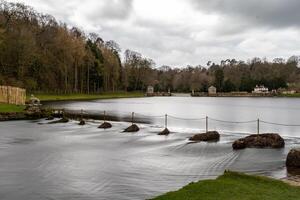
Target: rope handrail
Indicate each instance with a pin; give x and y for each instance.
(233, 122)
(187, 119)
(279, 124)
(154, 116)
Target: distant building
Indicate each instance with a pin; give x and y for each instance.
(150, 90)
(212, 90)
(260, 89)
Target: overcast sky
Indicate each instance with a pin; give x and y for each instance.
(187, 32)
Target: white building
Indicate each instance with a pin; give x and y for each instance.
(260, 89)
(150, 89)
(212, 90)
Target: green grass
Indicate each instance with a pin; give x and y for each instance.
(64, 97)
(11, 108)
(235, 186)
(290, 95)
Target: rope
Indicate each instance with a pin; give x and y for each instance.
(233, 122)
(152, 116)
(187, 119)
(278, 124)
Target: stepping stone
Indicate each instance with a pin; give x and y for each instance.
(132, 128)
(164, 132)
(105, 125)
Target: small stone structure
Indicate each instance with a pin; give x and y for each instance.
(34, 105)
(34, 101)
(12, 95)
(212, 91)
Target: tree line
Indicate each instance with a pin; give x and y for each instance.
(41, 54)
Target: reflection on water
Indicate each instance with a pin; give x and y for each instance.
(67, 161)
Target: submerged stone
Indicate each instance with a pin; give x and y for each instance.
(50, 118)
(209, 136)
(105, 125)
(62, 120)
(132, 128)
(82, 122)
(164, 132)
(266, 140)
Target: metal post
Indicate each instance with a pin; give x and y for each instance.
(104, 113)
(81, 114)
(206, 120)
(132, 117)
(166, 121)
(257, 126)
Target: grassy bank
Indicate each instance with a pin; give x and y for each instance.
(290, 95)
(235, 186)
(10, 108)
(65, 97)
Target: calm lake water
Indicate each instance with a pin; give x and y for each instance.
(66, 161)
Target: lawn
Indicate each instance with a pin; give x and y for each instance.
(63, 97)
(10, 108)
(290, 95)
(235, 186)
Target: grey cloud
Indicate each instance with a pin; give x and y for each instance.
(243, 29)
(111, 9)
(273, 13)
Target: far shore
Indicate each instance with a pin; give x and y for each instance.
(44, 97)
(243, 94)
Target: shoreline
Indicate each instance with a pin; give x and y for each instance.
(6, 109)
(80, 97)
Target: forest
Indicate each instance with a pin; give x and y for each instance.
(41, 54)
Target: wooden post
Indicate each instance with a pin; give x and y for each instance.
(104, 113)
(132, 117)
(81, 114)
(257, 126)
(206, 122)
(166, 121)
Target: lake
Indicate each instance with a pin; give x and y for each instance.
(66, 161)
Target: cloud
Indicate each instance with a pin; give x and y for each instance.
(187, 32)
(271, 13)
